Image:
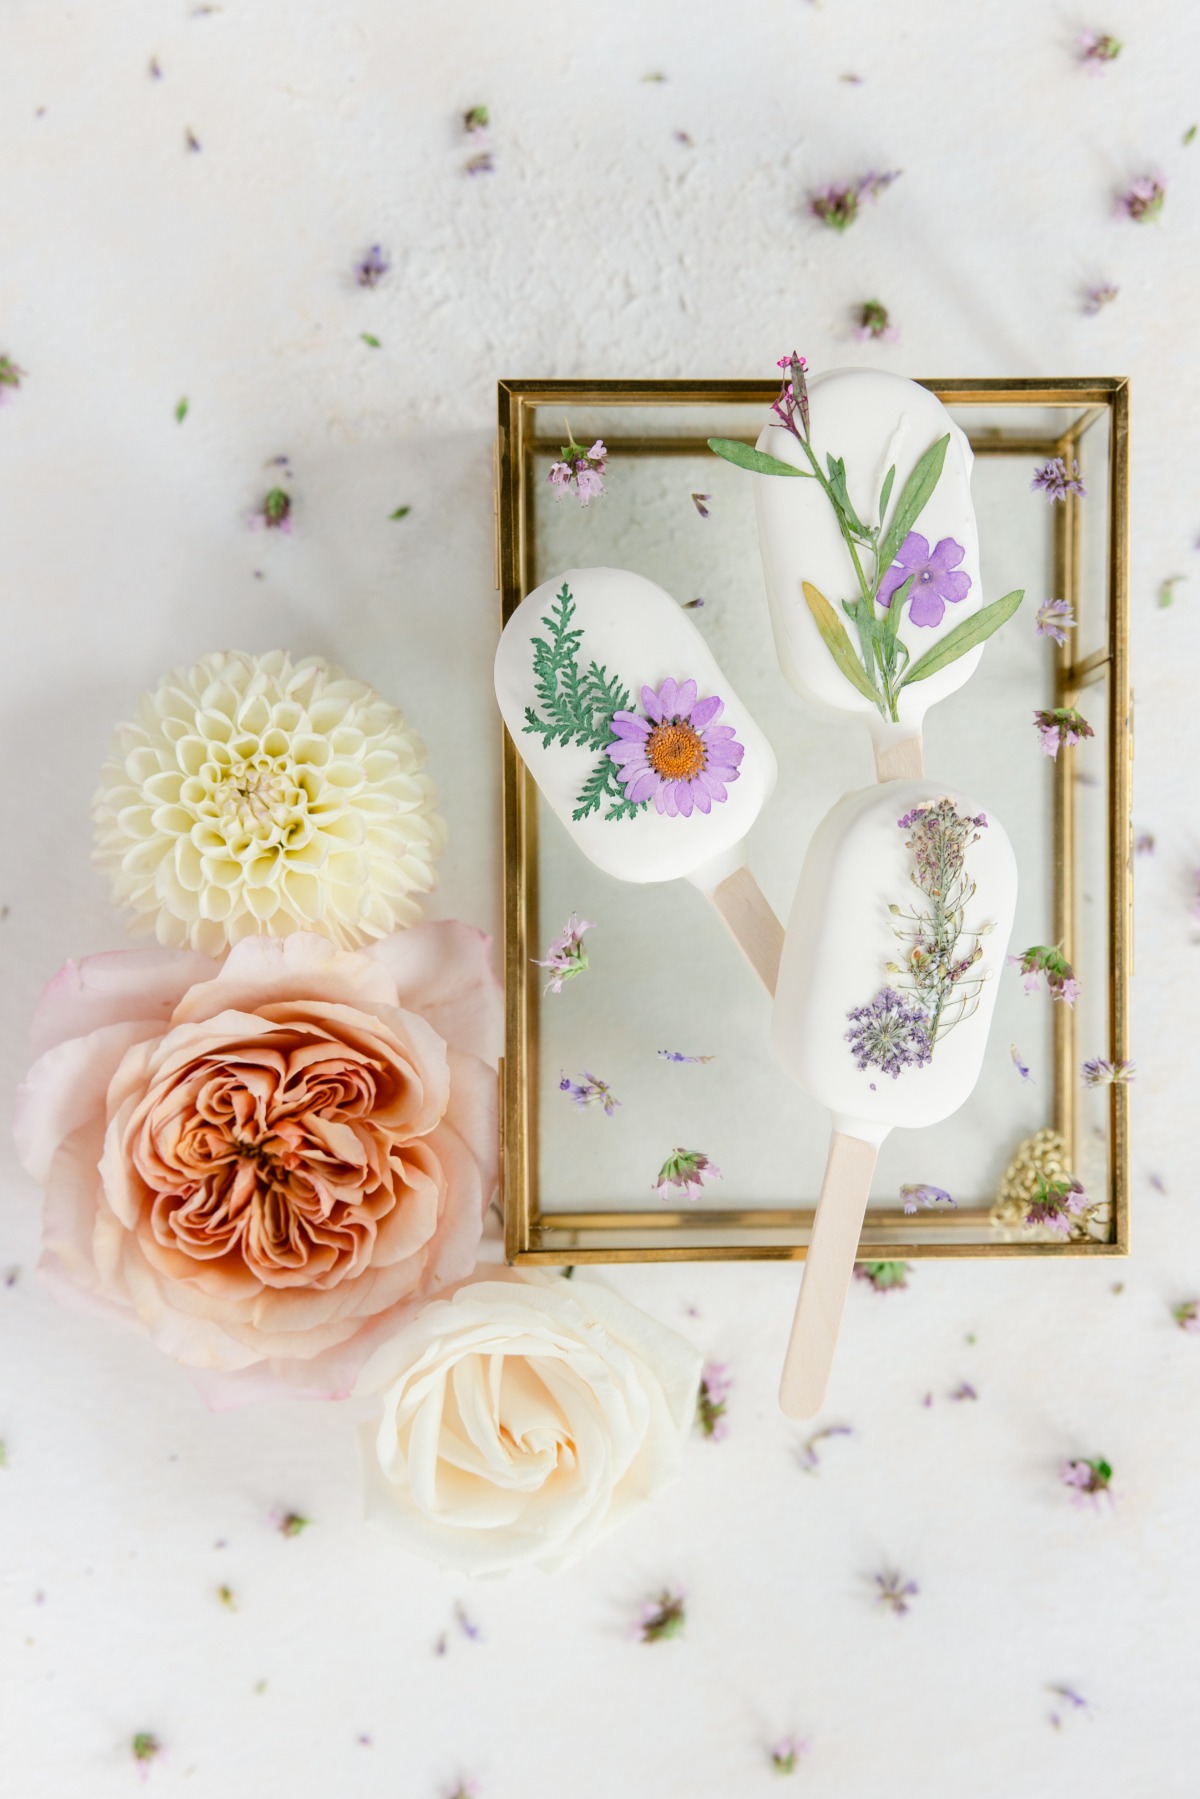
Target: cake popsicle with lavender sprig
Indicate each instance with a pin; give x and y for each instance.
(885, 996)
(870, 550)
(621, 714)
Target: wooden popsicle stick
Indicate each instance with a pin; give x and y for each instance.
(754, 927)
(901, 761)
(835, 1234)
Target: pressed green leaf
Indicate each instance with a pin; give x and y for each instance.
(964, 637)
(757, 461)
(400, 512)
(909, 506)
(369, 338)
(181, 411)
(891, 622)
(838, 642)
(841, 494)
(886, 495)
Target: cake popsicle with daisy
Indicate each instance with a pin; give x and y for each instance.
(623, 717)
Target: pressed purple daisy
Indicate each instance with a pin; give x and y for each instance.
(936, 577)
(678, 755)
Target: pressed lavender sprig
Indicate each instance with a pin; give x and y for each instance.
(913, 1195)
(1101, 1073)
(687, 1169)
(894, 1592)
(1060, 725)
(662, 1618)
(1143, 199)
(786, 1753)
(873, 323)
(372, 268)
(1054, 619)
(1047, 959)
(1088, 1480)
(579, 471)
(712, 1400)
(589, 1091)
(838, 207)
(567, 956)
(1097, 298)
(1187, 1315)
(1057, 1204)
(883, 1276)
(1056, 481)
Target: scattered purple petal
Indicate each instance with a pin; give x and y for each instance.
(838, 207)
(566, 956)
(674, 1055)
(661, 1618)
(1088, 1481)
(1143, 843)
(964, 1390)
(480, 164)
(1072, 1702)
(687, 1169)
(192, 141)
(1054, 619)
(692, 605)
(712, 1399)
(1157, 1182)
(373, 267)
(894, 1592)
(807, 1454)
(589, 1091)
(1020, 1066)
(1056, 482)
(466, 1624)
(913, 1195)
(1058, 726)
(1143, 199)
(1097, 298)
(1101, 1073)
(701, 502)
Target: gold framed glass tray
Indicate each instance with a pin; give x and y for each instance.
(664, 976)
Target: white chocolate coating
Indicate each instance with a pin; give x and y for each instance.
(637, 631)
(870, 419)
(840, 938)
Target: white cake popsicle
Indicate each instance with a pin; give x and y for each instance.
(693, 824)
(872, 420)
(885, 995)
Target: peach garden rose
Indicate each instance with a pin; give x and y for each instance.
(261, 1161)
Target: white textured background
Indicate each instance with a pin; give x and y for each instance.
(133, 272)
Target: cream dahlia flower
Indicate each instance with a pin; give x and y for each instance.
(254, 794)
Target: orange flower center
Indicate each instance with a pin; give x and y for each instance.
(675, 751)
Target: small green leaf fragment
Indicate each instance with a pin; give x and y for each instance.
(886, 494)
(909, 506)
(181, 410)
(964, 637)
(369, 338)
(891, 621)
(757, 461)
(838, 642)
(400, 512)
(1189, 136)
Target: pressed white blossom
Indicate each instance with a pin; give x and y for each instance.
(256, 794)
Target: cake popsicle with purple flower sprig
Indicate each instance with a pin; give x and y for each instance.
(621, 714)
(871, 614)
(882, 1009)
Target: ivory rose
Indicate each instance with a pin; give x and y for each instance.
(522, 1418)
(260, 1160)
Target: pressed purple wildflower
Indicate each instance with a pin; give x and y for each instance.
(1021, 1067)
(1056, 1203)
(1101, 1073)
(688, 1169)
(1089, 1480)
(678, 755)
(883, 1276)
(1058, 726)
(913, 1195)
(661, 1618)
(1097, 298)
(567, 956)
(936, 577)
(480, 164)
(894, 1592)
(786, 1753)
(290, 1524)
(476, 119)
(889, 1034)
(1098, 47)
(589, 1092)
(580, 470)
(1056, 481)
(1054, 619)
(838, 207)
(1187, 1315)
(373, 267)
(145, 1746)
(873, 323)
(712, 1400)
(1047, 959)
(1143, 199)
